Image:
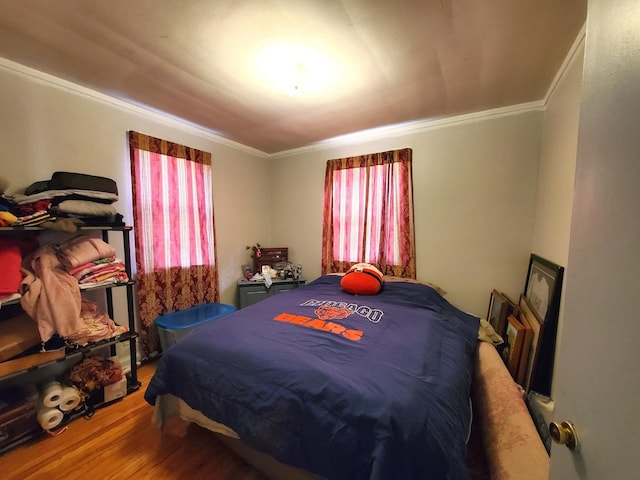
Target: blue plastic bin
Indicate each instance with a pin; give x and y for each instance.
(176, 325)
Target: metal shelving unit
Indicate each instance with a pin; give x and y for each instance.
(74, 351)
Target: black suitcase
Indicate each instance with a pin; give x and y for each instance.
(81, 181)
(37, 187)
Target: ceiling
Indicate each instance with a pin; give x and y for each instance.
(358, 64)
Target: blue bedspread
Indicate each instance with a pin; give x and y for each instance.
(347, 387)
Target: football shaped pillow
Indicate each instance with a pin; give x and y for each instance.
(362, 279)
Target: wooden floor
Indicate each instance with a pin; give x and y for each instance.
(120, 442)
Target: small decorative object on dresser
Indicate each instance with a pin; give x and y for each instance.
(246, 272)
(269, 257)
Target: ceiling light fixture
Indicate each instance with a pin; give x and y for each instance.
(294, 69)
(299, 78)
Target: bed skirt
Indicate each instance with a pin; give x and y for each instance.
(169, 407)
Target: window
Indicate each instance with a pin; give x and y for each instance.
(173, 228)
(368, 213)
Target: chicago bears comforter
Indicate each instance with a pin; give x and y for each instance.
(343, 386)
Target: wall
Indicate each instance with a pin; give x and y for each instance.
(47, 124)
(558, 164)
(556, 176)
(474, 184)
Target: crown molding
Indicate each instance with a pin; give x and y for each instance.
(401, 129)
(144, 111)
(568, 60)
(430, 124)
(389, 131)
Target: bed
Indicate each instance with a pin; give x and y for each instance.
(334, 385)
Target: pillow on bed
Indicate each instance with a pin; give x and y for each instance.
(391, 278)
(362, 279)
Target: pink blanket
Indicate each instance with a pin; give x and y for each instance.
(83, 249)
(49, 294)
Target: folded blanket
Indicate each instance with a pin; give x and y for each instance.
(32, 208)
(103, 269)
(82, 249)
(34, 219)
(115, 274)
(95, 326)
(84, 269)
(50, 194)
(84, 207)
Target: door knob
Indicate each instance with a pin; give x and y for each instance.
(565, 434)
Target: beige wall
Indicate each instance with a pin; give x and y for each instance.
(47, 125)
(556, 176)
(474, 194)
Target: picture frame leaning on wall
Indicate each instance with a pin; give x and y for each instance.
(514, 339)
(542, 290)
(543, 282)
(498, 312)
(537, 330)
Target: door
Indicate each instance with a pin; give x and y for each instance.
(597, 379)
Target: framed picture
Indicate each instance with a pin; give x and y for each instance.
(513, 339)
(542, 292)
(543, 284)
(496, 303)
(270, 256)
(246, 272)
(534, 350)
(508, 298)
(513, 308)
(524, 351)
(500, 307)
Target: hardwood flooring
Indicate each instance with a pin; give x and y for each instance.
(120, 442)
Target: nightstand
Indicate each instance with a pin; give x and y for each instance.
(252, 292)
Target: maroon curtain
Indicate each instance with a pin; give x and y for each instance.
(174, 230)
(368, 213)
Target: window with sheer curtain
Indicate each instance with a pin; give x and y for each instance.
(368, 213)
(173, 230)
